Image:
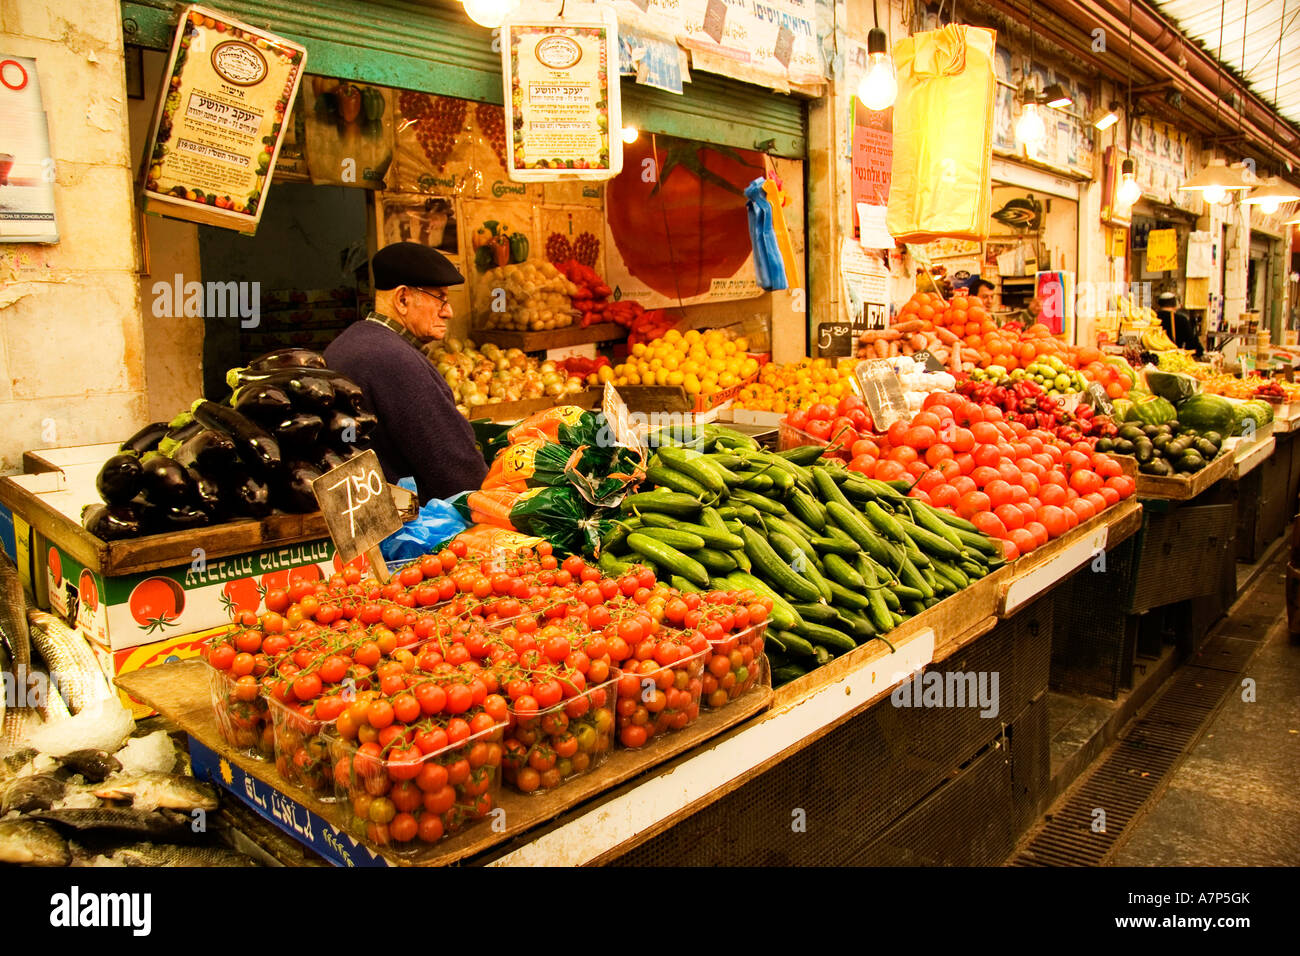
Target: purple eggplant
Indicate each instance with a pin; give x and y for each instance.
(294, 493)
(258, 449)
(243, 495)
(146, 439)
(165, 482)
(112, 522)
(297, 432)
(261, 402)
(303, 385)
(210, 452)
(287, 358)
(120, 478)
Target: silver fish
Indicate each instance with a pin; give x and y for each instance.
(94, 765)
(80, 678)
(19, 722)
(165, 854)
(37, 792)
(155, 824)
(15, 649)
(32, 843)
(169, 790)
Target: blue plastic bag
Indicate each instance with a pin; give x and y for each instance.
(437, 522)
(768, 262)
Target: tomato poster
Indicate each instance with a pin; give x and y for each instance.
(26, 167)
(677, 226)
(220, 121)
(562, 96)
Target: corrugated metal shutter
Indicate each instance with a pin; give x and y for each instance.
(433, 47)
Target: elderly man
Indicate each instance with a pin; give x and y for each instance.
(420, 433)
(1033, 309)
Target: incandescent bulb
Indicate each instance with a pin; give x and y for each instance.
(1269, 205)
(630, 134)
(489, 13)
(1215, 194)
(1029, 128)
(1129, 191)
(879, 87)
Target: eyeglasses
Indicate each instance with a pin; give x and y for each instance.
(442, 300)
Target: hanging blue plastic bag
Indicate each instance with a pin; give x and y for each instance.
(437, 522)
(767, 254)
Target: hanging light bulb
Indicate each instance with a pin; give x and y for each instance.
(1029, 128)
(489, 13)
(1214, 194)
(1270, 194)
(879, 86)
(1129, 191)
(630, 133)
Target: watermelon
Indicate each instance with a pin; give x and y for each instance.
(1152, 410)
(1264, 409)
(1256, 410)
(1207, 413)
(1123, 408)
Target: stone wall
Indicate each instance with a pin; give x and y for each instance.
(72, 367)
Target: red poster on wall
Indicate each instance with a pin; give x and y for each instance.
(873, 156)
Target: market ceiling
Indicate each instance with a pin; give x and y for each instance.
(1261, 21)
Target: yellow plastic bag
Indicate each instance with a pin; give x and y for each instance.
(943, 135)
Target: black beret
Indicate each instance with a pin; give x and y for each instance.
(1166, 298)
(413, 264)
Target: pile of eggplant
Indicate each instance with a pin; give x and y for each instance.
(288, 420)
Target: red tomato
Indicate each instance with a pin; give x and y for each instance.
(1023, 540)
(889, 470)
(972, 503)
(1097, 500)
(1083, 480)
(1110, 495)
(990, 524)
(1010, 516)
(1083, 508)
(1039, 532)
(943, 496)
(963, 483)
(1124, 484)
(1052, 518)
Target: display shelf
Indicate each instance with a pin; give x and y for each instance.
(1178, 488)
(553, 339)
(179, 692)
(1250, 457)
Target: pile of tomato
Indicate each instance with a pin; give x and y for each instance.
(1023, 486)
(408, 702)
(839, 426)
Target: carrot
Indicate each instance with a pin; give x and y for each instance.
(912, 325)
(869, 336)
(946, 337)
(891, 335)
(882, 348)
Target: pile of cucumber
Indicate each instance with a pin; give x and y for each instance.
(844, 558)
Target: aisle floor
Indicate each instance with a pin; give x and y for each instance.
(1235, 800)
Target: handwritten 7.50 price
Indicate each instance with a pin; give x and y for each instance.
(367, 486)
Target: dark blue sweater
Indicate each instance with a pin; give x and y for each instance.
(420, 432)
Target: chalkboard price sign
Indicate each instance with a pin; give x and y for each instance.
(835, 339)
(1100, 400)
(932, 364)
(358, 508)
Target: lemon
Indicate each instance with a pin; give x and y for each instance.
(661, 376)
(742, 344)
(604, 374)
(727, 380)
(692, 336)
(675, 378)
(672, 335)
(692, 384)
(639, 349)
(656, 364)
(634, 379)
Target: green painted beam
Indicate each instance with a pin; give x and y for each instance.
(432, 47)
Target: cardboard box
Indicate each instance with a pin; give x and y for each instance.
(176, 648)
(127, 611)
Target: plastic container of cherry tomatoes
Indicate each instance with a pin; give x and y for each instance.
(544, 748)
(411, 801)
(657, 701)
(241, 712)
(301, 749)
(734, 666)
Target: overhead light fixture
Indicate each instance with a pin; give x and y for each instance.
(489, 13)
(630, 133)
(1056, 97)
(1129, 191)
(1215, 181)
(1104, 118)
(1270, 195)
(1030, 129)
(879, 85)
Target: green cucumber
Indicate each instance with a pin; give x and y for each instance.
(694, 465)
(742, 496)
(841, 572)
(674, 480)
(665, 502)
(726, 460)
(759, 484)
(800, 562)
(807, 509)
(979, 542)
(880, 597)
(817, 613)
(683, 585)
(852, 524)
(827, 490)
(803, 454)
(834, 546)
(770, 566)
(714, 561)
(923, 516)
(668, 557)
(750, 516)
(611, 566)
(955, 521)
(681, 540)
(842, 597)
(790, 642)
(827, 637)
